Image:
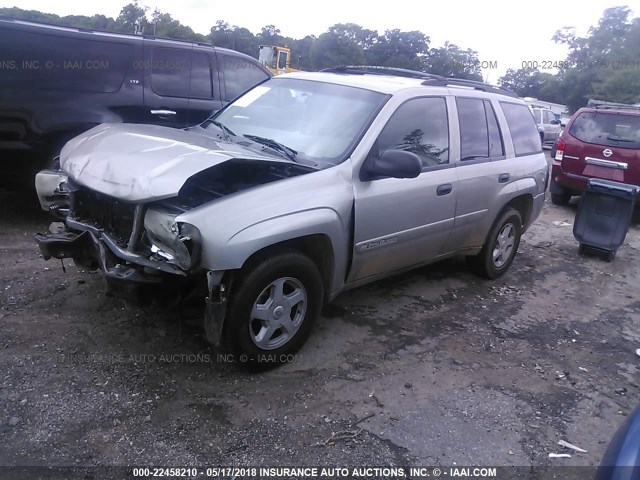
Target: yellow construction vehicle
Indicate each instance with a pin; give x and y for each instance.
(276, 59)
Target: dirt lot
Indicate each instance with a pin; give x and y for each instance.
(442, 366)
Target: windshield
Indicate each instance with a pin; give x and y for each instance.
(608, 129)
(321, 122)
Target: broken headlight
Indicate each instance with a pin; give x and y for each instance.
(176, 242)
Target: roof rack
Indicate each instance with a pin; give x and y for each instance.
(617, 107)
(461, 82)
(430, 79)
(379, 70)
(19, 21)
(603, 105)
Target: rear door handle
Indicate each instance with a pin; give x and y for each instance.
(504, 177)
(444, 189)
(163, 112)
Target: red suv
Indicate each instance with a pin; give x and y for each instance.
(601, 142)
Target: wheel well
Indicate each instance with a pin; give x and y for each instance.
(317, 247)
(524, 205)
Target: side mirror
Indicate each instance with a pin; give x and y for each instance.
(555, 122)
(396, 164)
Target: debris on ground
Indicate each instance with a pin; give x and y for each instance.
(559, 455)
(561, 223)
(563, 443)
(341, 435)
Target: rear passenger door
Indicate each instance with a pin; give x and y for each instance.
(181, 88)
(482, 171)
(403, 222)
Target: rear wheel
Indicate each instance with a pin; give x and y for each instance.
(272, 310)
(561, 198)
(501, 246)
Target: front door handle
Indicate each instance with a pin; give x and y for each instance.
(163, 112)
(503, 177)
(444, 189)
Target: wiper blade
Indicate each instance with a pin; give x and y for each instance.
(618, 139)
(224, 128)
(289, 152)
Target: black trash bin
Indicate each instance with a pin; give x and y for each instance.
(603, 216)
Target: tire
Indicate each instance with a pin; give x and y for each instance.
(266, 342)
(561, 199)
(496, 256)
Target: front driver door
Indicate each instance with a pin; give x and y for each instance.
(402, 222)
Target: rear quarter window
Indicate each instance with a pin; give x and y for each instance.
(38, 61)
(607, 129)
(523, 129)
(240, 75)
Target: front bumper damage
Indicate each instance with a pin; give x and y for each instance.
(143, 253)
(128, 274)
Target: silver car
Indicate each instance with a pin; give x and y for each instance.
(549, 126)
(307, 185)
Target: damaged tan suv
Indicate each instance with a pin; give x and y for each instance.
(307, 185)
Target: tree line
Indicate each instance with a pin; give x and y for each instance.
(605, 64)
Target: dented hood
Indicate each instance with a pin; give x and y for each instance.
(141, 163)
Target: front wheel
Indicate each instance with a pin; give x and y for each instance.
(501, 246)
(272, 310)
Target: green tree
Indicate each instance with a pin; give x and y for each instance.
(132, 19)
(362, 37)
(269, 35)
(234, 37)
(330, 50)
(452, 61)
(164, 25)
(399, 49)
(601, 65)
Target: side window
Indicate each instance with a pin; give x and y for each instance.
(537, 115)
(200, 76)
(522, 128)
(496, 146)
(63, 62)
(474, 131)
(546, 117)
(282, 60)
(240, 75)
(419, 126)
(170, 72)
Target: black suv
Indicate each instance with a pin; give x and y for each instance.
(57, 82)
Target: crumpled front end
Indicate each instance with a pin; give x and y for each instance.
(133, 244)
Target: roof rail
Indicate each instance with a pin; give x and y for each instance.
(476, 85)
(380, 70)
(37, 23)
(617, 107)
(430, 79)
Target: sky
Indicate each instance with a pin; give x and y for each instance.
(507, 34)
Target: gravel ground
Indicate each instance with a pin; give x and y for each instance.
(434, 367)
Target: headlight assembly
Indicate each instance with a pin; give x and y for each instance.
(177, 242)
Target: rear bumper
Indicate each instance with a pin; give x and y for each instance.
(562, 181)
